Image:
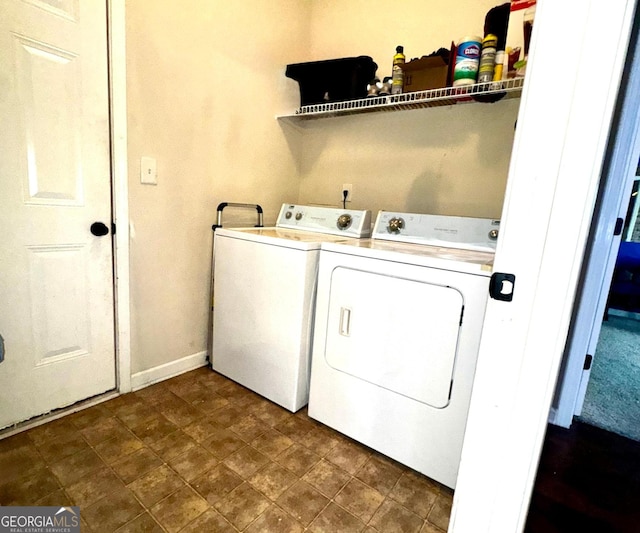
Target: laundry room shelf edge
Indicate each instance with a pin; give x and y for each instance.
(480, 92)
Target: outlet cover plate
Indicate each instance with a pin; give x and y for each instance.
(148, 171)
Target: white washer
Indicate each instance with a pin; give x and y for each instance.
(396, 336)
(264, 296)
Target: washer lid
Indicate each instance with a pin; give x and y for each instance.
(303, 240)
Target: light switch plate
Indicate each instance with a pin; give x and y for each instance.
(148, 171)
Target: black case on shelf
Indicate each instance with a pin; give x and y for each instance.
(333, 80)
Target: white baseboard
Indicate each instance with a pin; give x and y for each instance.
(168, 370)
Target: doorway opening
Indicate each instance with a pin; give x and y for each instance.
(612, 400)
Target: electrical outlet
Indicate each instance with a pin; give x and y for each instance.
(349, 188)
(148, 171)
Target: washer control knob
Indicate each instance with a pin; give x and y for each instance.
(395, 225)
(298, 216)
(493, 234)
(344, 221)
(287, 215)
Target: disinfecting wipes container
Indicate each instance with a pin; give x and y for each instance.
(467, 61)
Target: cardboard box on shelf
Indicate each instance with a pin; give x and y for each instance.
(424, 74)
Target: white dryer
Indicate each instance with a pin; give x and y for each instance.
(396, 336)
(264, 297)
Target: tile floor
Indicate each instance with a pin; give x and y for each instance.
(200, 453)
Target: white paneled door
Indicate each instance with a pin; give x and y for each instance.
(56, 281)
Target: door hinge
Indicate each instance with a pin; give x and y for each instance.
(619, 225)
(113, 228)
(588, 359)
(501, 286)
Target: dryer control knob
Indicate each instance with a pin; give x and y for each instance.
(493, 234)
(395, 225)
(288, 214)
(298, 216)
(344, 221)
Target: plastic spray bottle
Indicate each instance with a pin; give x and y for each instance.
(397, 73)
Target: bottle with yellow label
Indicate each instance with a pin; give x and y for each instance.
(397, 75)
(487, 58)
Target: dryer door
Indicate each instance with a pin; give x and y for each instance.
(397, 333)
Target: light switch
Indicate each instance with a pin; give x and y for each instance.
(148, 171)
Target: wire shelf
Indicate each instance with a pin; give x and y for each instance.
(480, 92)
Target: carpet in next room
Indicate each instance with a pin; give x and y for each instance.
(613, 395)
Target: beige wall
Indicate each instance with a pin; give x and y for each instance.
(204, 83)
(342, 28)
(446, 160)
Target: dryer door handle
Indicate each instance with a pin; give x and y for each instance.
(345, 321)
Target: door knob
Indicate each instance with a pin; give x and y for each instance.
(99, 229)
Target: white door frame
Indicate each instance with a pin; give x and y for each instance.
(120, 189)
(561, 138)
(600, 263)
